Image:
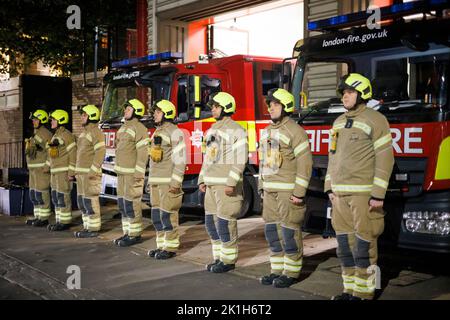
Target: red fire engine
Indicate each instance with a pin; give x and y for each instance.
(188, 86)
(408, 61)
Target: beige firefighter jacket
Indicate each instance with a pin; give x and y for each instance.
(38, 141)
(131, 152)
(285, 158)
(170, 169)
(226, 154)
(90, 150)
(364, 158)
(67, 152)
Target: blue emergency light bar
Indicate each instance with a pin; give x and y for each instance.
(388, 12)
(153, 58)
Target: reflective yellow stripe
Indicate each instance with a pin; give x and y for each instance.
(62, 169)
(84, 170)
(209, 180)
(142, 143)
(99, 145)
(327, 177)
(71, 167)
(301, 182)
(179, 147)
(159, 180)
(45, 210)
(443, 167)
(71, 146)
(351, 188)
(276, 260)
(87, 136)
(278, 185)
(140, 169)
(380, 182)
(284, 138)
(234, 175)
(223, 135)
(60, 140)
(251, 136)
(177, 177)
(123, 170)
(130, 132)
(36, 165)
(301, 147)
(95, 169)
(47, 163)
(382, 141)
(165, 138)
(364, 127)
(38, 139)
(239, 143)
(338, 126)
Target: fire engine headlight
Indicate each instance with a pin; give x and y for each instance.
(432, 222)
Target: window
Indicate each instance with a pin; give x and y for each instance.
(208, 86)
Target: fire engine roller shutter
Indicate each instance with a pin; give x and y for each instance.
(196, 10)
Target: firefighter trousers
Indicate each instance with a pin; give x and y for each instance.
(129, 195)
(88, 190)
(61, 188)
(221, 213)
(39, 183)
(357, 230)
(165, 209)
(283, 221)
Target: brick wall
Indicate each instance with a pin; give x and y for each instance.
(85, 95)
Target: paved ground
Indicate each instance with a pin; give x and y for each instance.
(34, 262)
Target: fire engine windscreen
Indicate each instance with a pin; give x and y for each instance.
(402, 80)
(146, 89)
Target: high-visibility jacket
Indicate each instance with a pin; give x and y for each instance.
(170, 170)
(363, 160)
(39, 139)
(67, 152)
(90, 150)
(131, 152)
(226, 154)
(285, 158)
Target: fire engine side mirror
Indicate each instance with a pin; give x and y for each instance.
(195, 96)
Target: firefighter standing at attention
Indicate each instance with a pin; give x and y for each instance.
(167, 165)
(90, 154)
(359, 167)
(39, 168)
(221, 177)
(131, 161)
(285, 171)
(62, 150)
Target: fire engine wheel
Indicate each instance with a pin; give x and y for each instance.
(248, 199)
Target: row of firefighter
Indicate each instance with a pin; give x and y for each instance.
(360, 164)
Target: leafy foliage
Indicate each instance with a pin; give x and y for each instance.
(36, 30)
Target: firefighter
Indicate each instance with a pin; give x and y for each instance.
(167, 164)
(131, 161)
(221, 177)
(359, 166)
(285, 171)
(90, 153)
(39, 168)
(62, 150)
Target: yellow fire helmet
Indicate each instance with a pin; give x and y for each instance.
(41, 115)
(356, 82)
(283, 97)
(138, 107)
(61, 116)
(166, 107)
(92, 111)
(223, 99)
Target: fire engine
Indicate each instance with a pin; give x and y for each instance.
(188, 86)
(407, 58)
